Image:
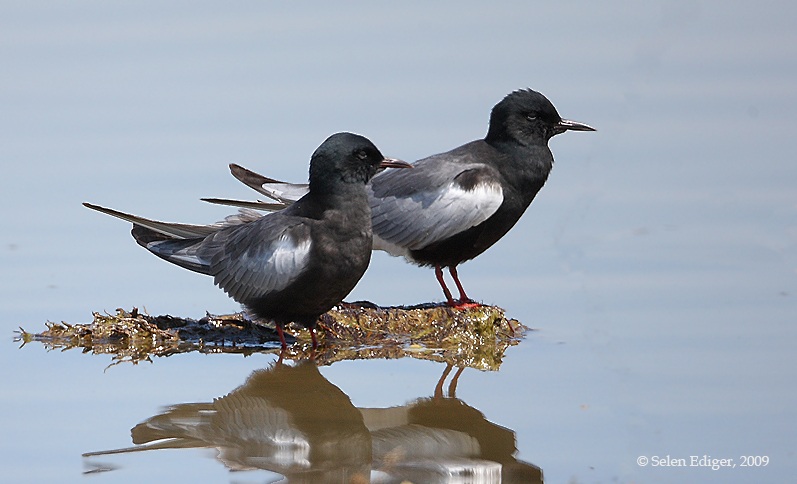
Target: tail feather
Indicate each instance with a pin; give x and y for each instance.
(256, 205)
(173, 242)
(172, 230)
(181, 252)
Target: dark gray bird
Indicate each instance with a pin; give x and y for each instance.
(290, 265)
(455, 205)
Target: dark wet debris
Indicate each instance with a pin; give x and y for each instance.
(475, 337)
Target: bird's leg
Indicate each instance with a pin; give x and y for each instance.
(438, 389)
(282, 336)
(464, 300)
(312, 335)
(452, 387)
(438, 272)
(462, 296)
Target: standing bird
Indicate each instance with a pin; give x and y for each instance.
(453, 206)
(292, 265)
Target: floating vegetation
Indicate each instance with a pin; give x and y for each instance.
(475, 337)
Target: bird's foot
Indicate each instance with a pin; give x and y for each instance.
(463, 303)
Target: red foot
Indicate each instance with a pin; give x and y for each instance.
(466, 304)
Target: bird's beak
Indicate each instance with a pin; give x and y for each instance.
(567, 124)
(394, 163)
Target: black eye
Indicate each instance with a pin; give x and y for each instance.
(531, 117)
(362, 155)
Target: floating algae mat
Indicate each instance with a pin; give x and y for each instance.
(475, 337)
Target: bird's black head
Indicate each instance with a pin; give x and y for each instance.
(347, 158)
(527, 117)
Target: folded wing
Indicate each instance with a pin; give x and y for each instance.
(246, 270)
(224, 250)
(430, 205)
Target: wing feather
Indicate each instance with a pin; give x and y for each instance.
(283, 192)
(247, 270)
(428, 211)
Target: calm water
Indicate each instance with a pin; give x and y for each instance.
(658, 265)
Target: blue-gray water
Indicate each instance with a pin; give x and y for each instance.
(658, 264)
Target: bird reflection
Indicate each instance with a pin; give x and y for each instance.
(293, 421)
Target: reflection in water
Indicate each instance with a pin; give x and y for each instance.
(293, 421)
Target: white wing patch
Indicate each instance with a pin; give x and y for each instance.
(259, 272)
(288, 259)
(284, 192)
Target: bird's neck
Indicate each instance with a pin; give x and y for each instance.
(525, 167)
(340, 195)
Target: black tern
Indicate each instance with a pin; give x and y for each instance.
(294, 264)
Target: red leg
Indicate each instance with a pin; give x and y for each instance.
(438, 389)
(462, 296)
(464, 300)
(282, 336)
(452, 387)
(438, 272)
(312, 335)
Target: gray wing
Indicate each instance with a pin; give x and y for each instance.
(411, 209)
(436, 200)
(283, 192)
(178, 230)
(258, 258)
(248, 254)
(255, 205)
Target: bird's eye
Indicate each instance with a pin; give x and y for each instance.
(362, 155)
(531, 117)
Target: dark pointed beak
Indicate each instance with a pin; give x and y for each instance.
(569, 125)
(394, 163)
